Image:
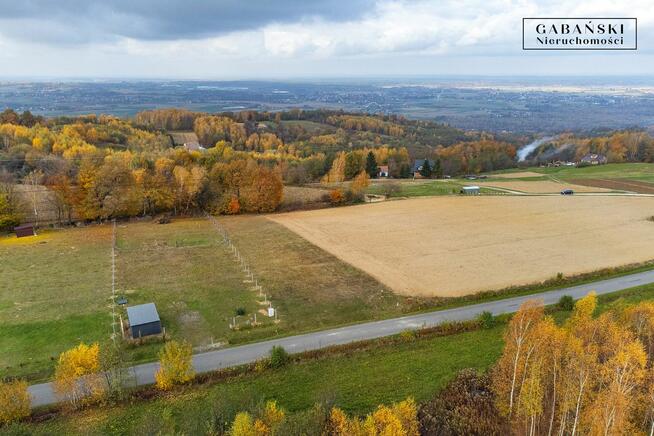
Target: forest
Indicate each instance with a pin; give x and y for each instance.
(101, 166)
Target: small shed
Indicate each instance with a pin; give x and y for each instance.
(24, 230)
(470, 190)
(144, 320)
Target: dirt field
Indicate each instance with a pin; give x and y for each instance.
(452, 246)
(541, 186)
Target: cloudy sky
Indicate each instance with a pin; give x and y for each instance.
(243, 39)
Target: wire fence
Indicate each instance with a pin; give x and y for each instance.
(250, 277)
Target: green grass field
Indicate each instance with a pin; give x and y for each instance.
(356, 381)
(55, 292)
(633, 171)
(422, 188)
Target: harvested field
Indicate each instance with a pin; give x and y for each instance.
(518, 175)
(616, 184)
(540, 186)
(453, 246)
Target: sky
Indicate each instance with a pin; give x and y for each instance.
(265, 39)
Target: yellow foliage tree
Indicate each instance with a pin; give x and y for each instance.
(400, 419)
(176, 365)
(77, 375)
(360, 182)
(14, 401)
(336, 173)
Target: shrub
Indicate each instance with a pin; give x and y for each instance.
(465, 406)
(233, 206)
(486, 320)
(176, 365)
(336, 196)
(240, 311)
(409, 335)
(14, 401)
(77, 375)
(566, 302)
(278, 357)
(243, 425)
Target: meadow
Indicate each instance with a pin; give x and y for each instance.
(57, 287)
(56, 290)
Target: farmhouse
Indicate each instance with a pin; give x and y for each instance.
(593, 159)
(143, 320)
(24, 230)
(417, 167)
(383, 171)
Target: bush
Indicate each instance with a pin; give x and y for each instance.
(14, 401)
(77, 375)
(409, 335)
(486, 320)
(465, 406)
(176, 365)
(278, 357)
(336, 196)
(240, 311)
(566, 302)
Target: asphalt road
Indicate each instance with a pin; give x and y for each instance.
(42, 394)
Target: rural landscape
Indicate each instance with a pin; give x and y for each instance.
(372, 218)
(271, 257)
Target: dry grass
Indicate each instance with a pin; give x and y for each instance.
(297, 196)
(453, 246)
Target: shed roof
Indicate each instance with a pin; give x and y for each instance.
(142, 314)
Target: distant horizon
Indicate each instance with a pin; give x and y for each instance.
(317, 79)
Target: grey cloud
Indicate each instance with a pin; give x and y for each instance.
(75, 21)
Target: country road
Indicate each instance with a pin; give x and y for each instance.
(42, 394)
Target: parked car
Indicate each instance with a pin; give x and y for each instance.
(567, 192)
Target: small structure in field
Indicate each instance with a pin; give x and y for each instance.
(24, 230)
(470, 190)
(143, 320)
(383, 171)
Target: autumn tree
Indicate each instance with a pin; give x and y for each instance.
(263, 191)
(176, 365)
(360, 183)
(336, 173)
(14, 401)
(77, 377)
